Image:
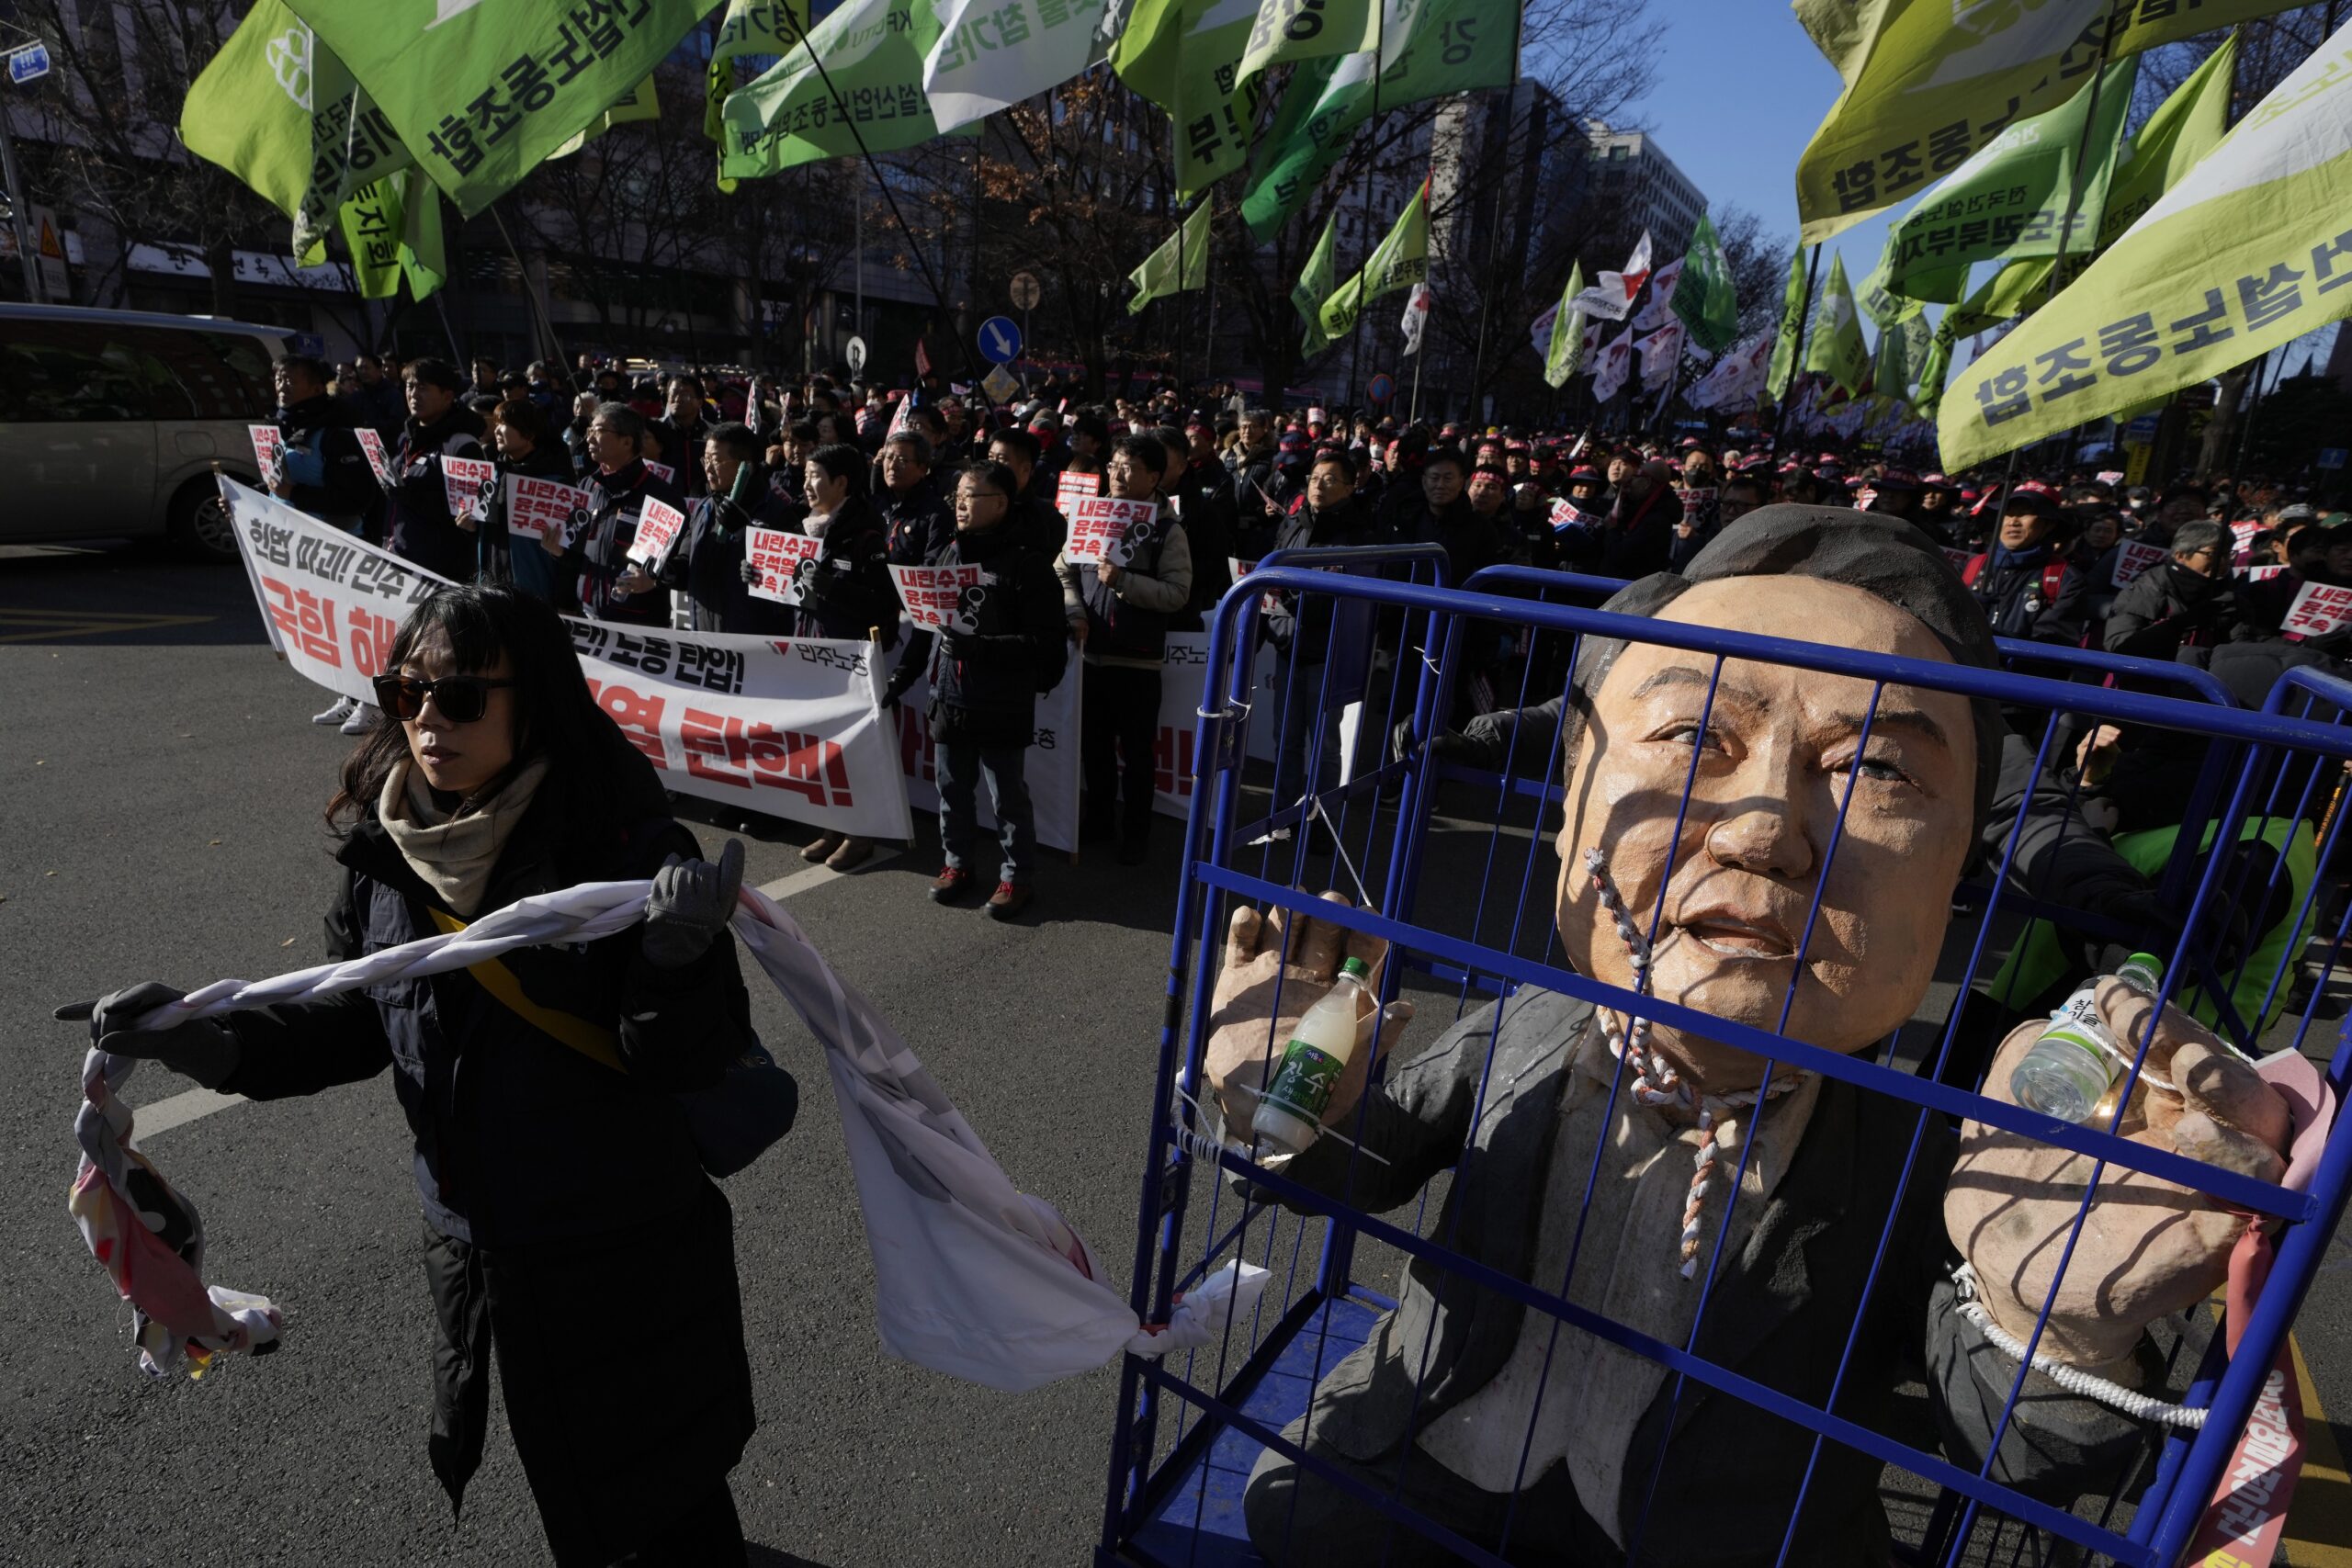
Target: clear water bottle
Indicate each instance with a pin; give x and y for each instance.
(1290, 1113)
(2070, 1069)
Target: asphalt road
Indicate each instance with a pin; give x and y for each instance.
(160, 818)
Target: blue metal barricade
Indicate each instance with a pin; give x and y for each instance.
(1462, 901)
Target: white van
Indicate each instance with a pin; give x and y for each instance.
(111, 421)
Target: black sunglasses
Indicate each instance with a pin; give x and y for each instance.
(461, 698)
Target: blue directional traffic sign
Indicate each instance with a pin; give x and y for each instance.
(29, 62)
(999, 339)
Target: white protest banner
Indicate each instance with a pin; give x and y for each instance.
(1049, 768)
(1103, 529)
(2261, 573)
(2131, 558)
(1069, 488)
(372, 443)
(789, 725)
(2241, 540)
(934, 595)
(540, 507)
(1567, 513)
(656, 529)
(269, 451)
(2318, 610)
(1181, 687)
(466, 485)
(662, 471)
(2109, 476)
(779, 557)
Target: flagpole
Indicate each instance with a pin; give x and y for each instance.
(1796, 350)
(1176, 305)
(939, 296)
(1414, 413)
(1372, 166)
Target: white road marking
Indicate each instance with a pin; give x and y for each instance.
(180, 1110)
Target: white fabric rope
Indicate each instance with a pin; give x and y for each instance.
(2074, 1379)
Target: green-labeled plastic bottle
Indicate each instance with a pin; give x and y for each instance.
(1290, 1113)
(2077, 1061)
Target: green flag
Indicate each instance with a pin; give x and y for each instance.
(1179, 265)
(1903, 351)
(1287, 32)
(873, 50)
(1704, 299)
(1184, 55)
(483, 93)
(1938, 364)
(1834, 347)
(1566, 351)
(393, 229)
(642, 103)
(2248, 252)
(1314, 285)
(1881, 307)
(1928, 81)
(277, 108)
(1400, 261)
(751, 28)
(2011, 199)
(1432, 51)
(1784, 347)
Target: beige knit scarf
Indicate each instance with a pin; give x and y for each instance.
(454, 851)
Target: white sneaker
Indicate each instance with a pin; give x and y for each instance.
(362, 719)
(337, 714)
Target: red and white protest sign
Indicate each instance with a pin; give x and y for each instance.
(936, 596)
(2318, 610)
(2242, 541)
(1567, 513)
(793, 726)
(2249, 1514)
(541, 507)
(1071, 489)
(662, 471)
(2261, 573)
(2109, 476)
(1103, 529)
(269, 451)
(657, 530)
(466, 485)
(2131, 558)
(372, 443)
(1315, 416)
(778, 557)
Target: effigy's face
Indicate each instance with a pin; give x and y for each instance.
(1778, 750)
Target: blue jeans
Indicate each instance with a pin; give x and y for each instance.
(957, 770)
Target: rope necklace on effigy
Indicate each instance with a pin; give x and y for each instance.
(1655, 1080)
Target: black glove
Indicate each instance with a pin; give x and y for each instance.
(198, 1048)
(692, 902)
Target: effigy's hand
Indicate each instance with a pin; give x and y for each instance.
(1276, 966)
(2148, 1246)
(199, 1048)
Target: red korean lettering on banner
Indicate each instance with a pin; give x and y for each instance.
(2131, 558)
(639, 715)
(1071, 489)
(372, 443)
(778, 557)
(657, 528)
(305, 619)
(466, 483)
(370, 639)
(2318, 610)
(936, 596)
(662, 471)
(538, 508)
(742, 754)
(1100, 527)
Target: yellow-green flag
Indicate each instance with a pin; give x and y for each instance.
(277, 110)
(393, 229)
(1286, 31)
(1784, 347)
(2249, 251)
(642, 103)
(1178, 266)
(1566, 351)
(751, 28)
(790, 114)
(1400, 261)
(1314, 287)
(1835, 348)
(1184, 55)
(1929, 82)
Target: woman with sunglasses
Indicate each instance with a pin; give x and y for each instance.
(570, 1229)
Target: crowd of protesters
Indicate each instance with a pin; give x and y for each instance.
(2070, 557)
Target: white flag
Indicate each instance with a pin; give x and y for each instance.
(1539, 334)
(1661, 351)
(1610, 366)
(1738, 378)
(1416, 315)
(1613, 297)
(1661, 306)
(967, 77)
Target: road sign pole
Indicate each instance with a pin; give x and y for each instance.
(19, 210)
(1414, 411)
(1025, 340)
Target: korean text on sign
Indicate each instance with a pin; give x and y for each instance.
(1071, 489)
(543, 507)
(778, 557)
(936, 596)
(656, 529)
(2131, 558)
(372, 443)
(1568, 514)
(1102, 527)
(269, 451)
(2318, 610)
(466, 484)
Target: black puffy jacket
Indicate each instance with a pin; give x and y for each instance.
(849, 592)
(707, 564)
(418, 527)
(984, 684)
(917, 523)
(601, 553)
(345, 488)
